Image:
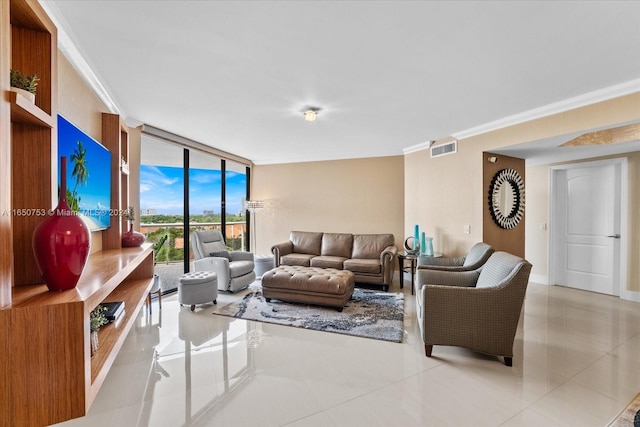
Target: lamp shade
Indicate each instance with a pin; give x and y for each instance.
(254, 205)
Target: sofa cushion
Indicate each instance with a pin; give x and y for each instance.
(328, 261)
(370, 245)
(306, 242)
(369, 266)
(337, 245)
(240, 268)
(296, 259)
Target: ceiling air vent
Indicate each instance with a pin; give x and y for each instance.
(450, 147)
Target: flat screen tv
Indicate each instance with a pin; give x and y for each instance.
(88, 175)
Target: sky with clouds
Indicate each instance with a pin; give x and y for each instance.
(161, 188)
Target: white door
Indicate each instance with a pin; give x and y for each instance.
(588, 201)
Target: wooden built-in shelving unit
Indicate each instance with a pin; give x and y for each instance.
(58, 377)
(115, 136)
(26, 112)
(33, 50)
(47, 374)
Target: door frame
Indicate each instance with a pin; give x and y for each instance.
(554, 237)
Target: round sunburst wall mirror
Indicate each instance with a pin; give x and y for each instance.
(506, 198)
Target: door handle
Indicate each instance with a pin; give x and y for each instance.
(615, 236)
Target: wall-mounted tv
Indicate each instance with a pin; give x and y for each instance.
(88, 175)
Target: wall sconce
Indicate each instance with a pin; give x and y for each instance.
(492, 159)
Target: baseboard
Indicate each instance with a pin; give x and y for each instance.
(630, 295)
(539, 278)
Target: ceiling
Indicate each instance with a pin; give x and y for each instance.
(386, 75)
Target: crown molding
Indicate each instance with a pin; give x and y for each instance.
(579, 101)
(69, 48)
(418, 147)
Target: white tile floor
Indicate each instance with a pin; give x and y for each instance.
(577, 363)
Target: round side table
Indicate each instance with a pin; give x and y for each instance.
(411, 268)
(263, 263)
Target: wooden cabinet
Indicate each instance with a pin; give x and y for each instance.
(47, 374)
(53, 376)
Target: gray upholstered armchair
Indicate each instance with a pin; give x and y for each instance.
(481, 313)
(475, 259)
(234, 269)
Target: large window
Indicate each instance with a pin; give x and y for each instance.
(235, 217)
(211, 188)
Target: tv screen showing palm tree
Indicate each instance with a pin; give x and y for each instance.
(88, 175)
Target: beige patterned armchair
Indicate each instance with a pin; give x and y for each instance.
(475, 259)
(476, 311)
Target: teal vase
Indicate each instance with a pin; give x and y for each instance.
(428, 250)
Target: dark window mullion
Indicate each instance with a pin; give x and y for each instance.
(223, 197)
(247, 241)
(185, 208)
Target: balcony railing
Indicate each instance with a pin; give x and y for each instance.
(173, 248)
(170, 258)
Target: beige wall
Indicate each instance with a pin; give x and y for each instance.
(442, 195)
(446, 193)
(78, 104)
(633, 218)
(351, 196)
(135, 136)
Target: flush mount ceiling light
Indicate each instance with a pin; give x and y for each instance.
(310, 113)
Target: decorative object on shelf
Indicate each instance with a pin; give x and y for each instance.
(506, 198)
(131, 238)
(61, 242)
(428, 245)
(97, 319)
(416, 235)
(24, 84)
(423, 243)
(411, 246)
(254, 206)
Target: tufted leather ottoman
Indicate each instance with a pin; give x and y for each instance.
(310, 285)
(198, 287)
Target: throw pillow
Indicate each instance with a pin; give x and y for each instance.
(221, 254)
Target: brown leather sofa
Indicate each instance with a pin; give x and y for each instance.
(369, 256)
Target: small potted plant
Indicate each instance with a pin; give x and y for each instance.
(97, 319)
(24, 84)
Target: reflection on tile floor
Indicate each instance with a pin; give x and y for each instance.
(576, 363)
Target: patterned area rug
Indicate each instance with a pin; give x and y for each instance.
(630, 417)
(368, 314)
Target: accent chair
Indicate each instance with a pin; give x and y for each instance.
(234, 269)
(473, 260)
(480, 312)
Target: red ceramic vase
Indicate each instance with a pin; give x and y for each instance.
(61, 242)
(132, 239)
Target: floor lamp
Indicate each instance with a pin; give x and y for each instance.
(253, 206)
